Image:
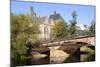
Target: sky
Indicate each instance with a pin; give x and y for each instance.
(86, 13)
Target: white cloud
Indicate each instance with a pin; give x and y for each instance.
(81, 26)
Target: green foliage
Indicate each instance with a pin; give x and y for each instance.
(72, 28)
(74, 14)
(92, 28)
(87, 53)
(59, 30)
(73, 22)
(23, 28)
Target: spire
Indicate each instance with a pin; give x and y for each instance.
(32, 11)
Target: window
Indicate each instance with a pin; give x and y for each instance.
(45, 30)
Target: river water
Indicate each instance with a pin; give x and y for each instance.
(56, 56)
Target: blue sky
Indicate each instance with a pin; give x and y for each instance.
(85, 13)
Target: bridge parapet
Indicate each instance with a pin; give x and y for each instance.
(88, 40)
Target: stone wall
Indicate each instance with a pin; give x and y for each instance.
(89, 40)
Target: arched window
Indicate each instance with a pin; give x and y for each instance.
(45, 30)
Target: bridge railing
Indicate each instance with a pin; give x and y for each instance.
(61, 41)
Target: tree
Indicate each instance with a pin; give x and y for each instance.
(86, 30)
(73, 22)
(59, 30)
(92, 28)
(16, 39)
(74, 14)
(23, 28)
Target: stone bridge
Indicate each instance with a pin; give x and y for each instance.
(57, 52)
(86, 40)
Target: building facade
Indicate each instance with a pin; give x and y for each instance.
(46, 23)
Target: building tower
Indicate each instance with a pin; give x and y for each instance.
(33, 14)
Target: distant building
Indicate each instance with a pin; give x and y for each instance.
(45, 28)
(46, 23)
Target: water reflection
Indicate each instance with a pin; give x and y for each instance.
(60, 56)
(87, 53)
(40, 61)
(56, 56)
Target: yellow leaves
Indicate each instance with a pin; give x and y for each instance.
(59, 29)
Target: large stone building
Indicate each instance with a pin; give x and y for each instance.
(46, 23)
